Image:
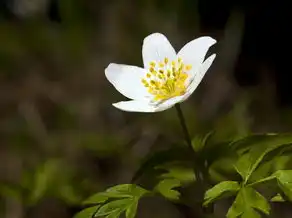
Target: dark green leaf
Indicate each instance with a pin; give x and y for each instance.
(87, 213)
(132, 209)
(160, 158)
(247, 199)
(181, 173)
(221, 190)
(114, 206)
(199, 143)
(165, 187)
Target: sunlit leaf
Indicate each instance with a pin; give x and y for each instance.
(96, 199)
(127, 190)
(113, 207)
(250, 213)
(132, 209)
(165, 188)
(284, 178)
(87, 213)
(277, 198)
(226, 188)
(249, 161)
(246, 200)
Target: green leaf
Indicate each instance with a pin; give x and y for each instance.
(43, 180)
(165, 187)
(250, 213)
(182, 173)
(160, 158)
(87, 213)
(264, 145)
(132, 209)
(198, 143)
(115, 214)
(284, 178)
(114, 206)
(246, 200)
(127, 190)
(277, 198)
(221, 190)
(96, 199)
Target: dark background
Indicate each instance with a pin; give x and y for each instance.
(60, 138)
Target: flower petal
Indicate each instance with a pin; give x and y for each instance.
(127, 80)
(135, 106)
(156, 47)
(199, 76)
(169, 103)
(194, 52)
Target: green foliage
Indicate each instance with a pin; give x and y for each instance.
(260, 148)
(153, 161)
(247, 200)
(253, 157)
(87, 213)
(284, 178)
(184, 174)
(166, 188)
(277, 198)
(222, 189)
(114, 201)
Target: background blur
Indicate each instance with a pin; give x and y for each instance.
(60, 138)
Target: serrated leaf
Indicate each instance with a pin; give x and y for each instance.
(284, 178)
(226, 188)
(182, 173)
(264, 145)
(96, 199)
(247, 199)
(277, 198)
(87, 213)
(132, 209)
(165, 187)
(113, 207)
(127, 190)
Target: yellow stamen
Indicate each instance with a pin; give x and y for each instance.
(168, 80)
(188, 67)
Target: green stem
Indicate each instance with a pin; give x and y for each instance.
(184, 126)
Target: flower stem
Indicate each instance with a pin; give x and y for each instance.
(184, 126)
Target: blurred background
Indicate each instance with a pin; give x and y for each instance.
(60, 138)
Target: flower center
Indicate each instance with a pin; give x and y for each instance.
(166, 80)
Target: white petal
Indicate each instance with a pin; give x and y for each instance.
(127, 80)
(169, 103)
(199, 76)
(156, 47)
(135, 106)
(194, 52)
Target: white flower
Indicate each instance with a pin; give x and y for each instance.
(166, 79)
